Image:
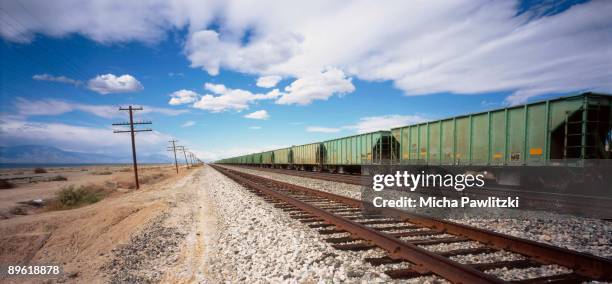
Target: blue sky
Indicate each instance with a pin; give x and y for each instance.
(341, 69)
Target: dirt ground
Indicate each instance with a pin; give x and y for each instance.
(102, 242)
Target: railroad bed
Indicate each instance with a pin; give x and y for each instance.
(344, 178)
(408, 238)
(558, 203)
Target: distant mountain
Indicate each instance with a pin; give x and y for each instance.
(47, 154)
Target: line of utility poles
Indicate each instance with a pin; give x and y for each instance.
(190, 158)
(173, 149)
(132, 131)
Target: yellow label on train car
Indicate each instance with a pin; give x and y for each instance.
(497, 156)
(535, 151)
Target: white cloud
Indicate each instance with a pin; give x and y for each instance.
(76, 138)
(188, 123)
(109, 83)
(59, 79)
(423, 47)
(104, 21)
(268, 81)
(254, 127)
(206, 49)
(183, 97)
(316, 86)
(385, 122)
(260, 114)
(230, 99)
(26, 107)
(322, 129)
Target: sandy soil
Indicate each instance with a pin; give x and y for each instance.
(133, 235)
(39, 187)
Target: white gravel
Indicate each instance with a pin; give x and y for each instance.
(258, 243)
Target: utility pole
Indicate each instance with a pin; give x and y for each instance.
(132, 131)
(182, 148)
(173, 149)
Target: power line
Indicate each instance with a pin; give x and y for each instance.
(132, 131)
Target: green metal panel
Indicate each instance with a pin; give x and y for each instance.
(414, 144)
(422, 143)
(267, 157)
(498, 137)
(480, 138)
(536, 134)
(305, 154)
(462, 137)
(405, 132)
(447, 142)
(282, 156)
(434, 142)
(516, 136)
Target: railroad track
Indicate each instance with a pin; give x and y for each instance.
(594, 206)
(344, 178)
(402, 234)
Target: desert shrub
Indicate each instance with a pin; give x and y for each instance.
(151, 178)
(58, 178)
(71, 196)
(125, 170)
(40, 171)
(5, 184)
(18, 210)
(103, 173)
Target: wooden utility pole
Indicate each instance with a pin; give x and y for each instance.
(132, 131)
(182, 148)
(173, 149)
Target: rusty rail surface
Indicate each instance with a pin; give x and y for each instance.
(584, 266)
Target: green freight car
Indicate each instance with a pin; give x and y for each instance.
(283, 157)
(348, 154)
(308, 156)
(559, 131)
(257, 159)
(267, 158)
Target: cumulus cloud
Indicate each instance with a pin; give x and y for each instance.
(109, 83)
(27, 107)
(268, 81)
(260, 114)
(230, 99)
(322, 129)
(188, 123)
(385, 122)
(59, 79)
(206, 49)
(422, 47)
(183, 97)
(104, 21)
(317, 86)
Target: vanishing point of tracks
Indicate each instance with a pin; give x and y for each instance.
(402, 234)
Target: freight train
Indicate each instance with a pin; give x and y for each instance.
(567, 131)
